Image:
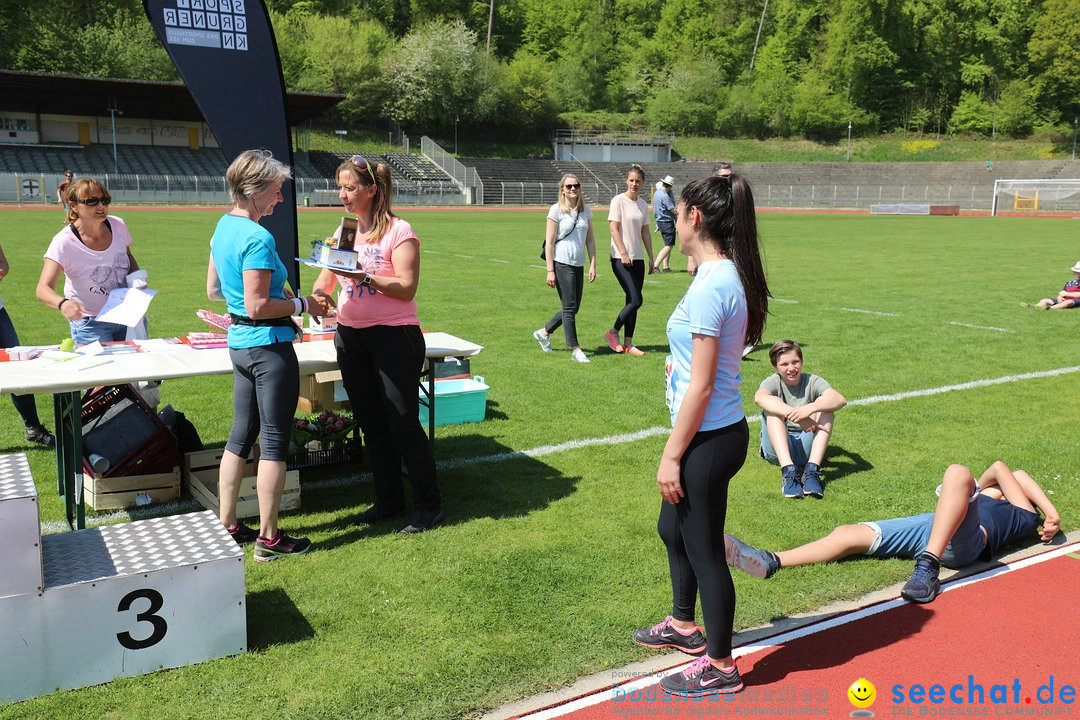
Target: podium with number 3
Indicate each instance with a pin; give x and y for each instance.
(84, 607)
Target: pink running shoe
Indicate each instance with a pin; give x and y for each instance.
(612, 341)
(634, 350)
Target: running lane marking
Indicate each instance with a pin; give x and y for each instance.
(189, 506)
(871, 312)
(980, 327)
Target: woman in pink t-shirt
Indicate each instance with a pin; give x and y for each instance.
(93, 253)
(380, 348)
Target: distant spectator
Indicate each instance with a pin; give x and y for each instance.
(1069, 297)
(93, 252)
(722, 169)
(61, 189)
(569, 236)
(24, 404)
(628, 218)
(664, 212)
(797, 413)
(989, 166)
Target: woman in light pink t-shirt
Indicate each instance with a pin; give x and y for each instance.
(380, 348)
(93, 253)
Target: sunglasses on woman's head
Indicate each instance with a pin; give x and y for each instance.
(572, 186)
(362, 163)
(92, 201)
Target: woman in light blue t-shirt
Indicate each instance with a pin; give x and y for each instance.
(723, 311)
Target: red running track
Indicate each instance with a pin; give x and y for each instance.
(1013, 632)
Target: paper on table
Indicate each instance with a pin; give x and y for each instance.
(126, 306)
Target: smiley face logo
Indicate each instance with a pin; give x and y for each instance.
(862, 693)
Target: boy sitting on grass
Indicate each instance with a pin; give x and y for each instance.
(972, 521)
(796, 420)
(1069, 297)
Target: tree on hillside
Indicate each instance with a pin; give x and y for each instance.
(1055, 52)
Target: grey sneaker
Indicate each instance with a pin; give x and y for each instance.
(924, 585)
(544, 340)
(703, 678)
(753, 561)
(665, 635)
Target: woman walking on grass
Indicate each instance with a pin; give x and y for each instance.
(628, 217)
(569, 236)
(723, 310)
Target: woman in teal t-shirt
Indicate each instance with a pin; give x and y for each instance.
(246, 272)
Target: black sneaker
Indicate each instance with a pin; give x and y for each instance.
(242, 534)
(789, 482)
(666, 635)
(924, 585)
(703, 678)
(375, 513)
(281, 545)
(40, 435)
(753, 561)
(422, 522)
(811, 482)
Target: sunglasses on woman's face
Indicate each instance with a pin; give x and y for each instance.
(572, 186)
(361, 162)
(92, 201)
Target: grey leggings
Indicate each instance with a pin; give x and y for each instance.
(569, 281)
(266, 385)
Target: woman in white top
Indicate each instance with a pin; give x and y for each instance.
(569, 237)
(628, 217)
(93, 253)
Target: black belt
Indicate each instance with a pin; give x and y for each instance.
(268, 322)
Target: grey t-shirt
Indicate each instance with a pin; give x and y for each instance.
(809, 389)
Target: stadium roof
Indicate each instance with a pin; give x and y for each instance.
(75, 95)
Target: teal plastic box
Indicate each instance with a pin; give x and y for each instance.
(456, 401)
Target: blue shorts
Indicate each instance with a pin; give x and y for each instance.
(799, 445)
(667, 232)
(906, 537)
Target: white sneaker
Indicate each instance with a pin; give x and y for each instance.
(747, 350)
(579, 356)
(544, 340)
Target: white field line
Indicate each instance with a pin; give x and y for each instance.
(504, 262)
(980, 327)
(191, 506)
(539, 267)
(870, 312)
(467, 257)
(433, 252)
(608, 693)
(781, 300)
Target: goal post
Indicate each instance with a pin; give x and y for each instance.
(1043, 195)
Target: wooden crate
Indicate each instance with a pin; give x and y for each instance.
(112, 493)
(201, 481)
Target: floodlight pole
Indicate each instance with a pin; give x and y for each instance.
(456, 118)
(1074, 138)
(112, 112)
(849, 141)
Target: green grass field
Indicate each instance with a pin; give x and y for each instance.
(547, 562)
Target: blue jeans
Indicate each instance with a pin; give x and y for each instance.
(24, 404)
(87, 330)
(799, 445)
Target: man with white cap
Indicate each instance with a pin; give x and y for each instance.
(664, 213)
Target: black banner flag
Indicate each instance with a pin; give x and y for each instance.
(226, 54)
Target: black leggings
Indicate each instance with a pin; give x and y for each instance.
(266, 384)
(693, 531)
(632, 280)
(569, 281)
(380, 368)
